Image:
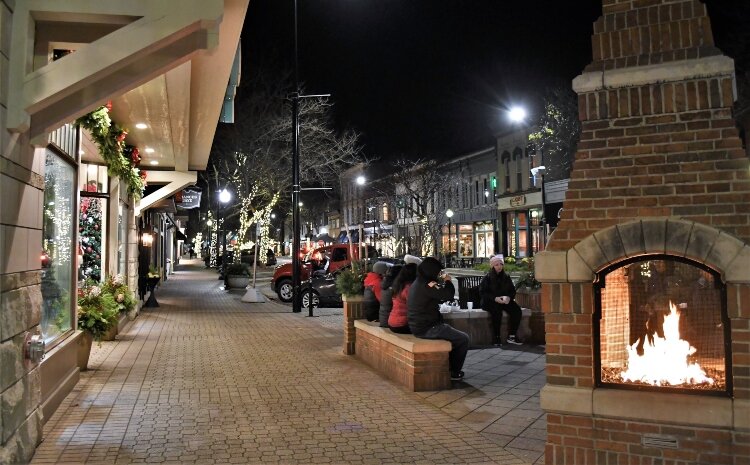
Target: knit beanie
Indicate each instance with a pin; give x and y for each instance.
(497, 259)
(380, 268)
(430, 268)
(412, 259)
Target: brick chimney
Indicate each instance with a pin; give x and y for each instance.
(658, 138)
(660, 171)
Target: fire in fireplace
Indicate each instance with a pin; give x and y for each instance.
(662, 324)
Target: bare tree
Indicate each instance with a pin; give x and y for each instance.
(415, 189)
(253, 155)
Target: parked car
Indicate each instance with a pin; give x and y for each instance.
(322, 288)
(319, 261)
(248, 256)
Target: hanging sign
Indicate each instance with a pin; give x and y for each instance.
(190, 199)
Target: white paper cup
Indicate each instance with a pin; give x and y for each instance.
(470, 305)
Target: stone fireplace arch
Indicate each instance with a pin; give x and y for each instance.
(704, 244)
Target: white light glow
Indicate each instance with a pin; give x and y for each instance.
(141, 125)
(665, 360)
(360, 180)
(224, 196)
(149, 150)
(517, 114)
(154, 162)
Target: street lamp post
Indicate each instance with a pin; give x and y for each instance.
(224, 197)
(449, 214)
(360, 182)
(541, 171)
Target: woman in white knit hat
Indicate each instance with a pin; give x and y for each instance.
(498, 294)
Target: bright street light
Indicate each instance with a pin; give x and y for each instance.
(517, 114)
(361, 180)
(224, 196)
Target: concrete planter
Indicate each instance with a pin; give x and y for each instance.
(237, 281)
(84, 350)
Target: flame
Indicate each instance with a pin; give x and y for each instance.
(665, 362)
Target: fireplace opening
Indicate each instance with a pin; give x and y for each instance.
(661, 324)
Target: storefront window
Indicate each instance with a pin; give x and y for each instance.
(518, 245)
(485, 239)
(92, 224)
(57, 246)
(122, 239)
(465, 240)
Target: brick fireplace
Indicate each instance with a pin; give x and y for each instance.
(654, 240)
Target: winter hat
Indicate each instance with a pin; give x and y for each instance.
(412, 259)
(380, 268)
(430, 268)
(497, 259)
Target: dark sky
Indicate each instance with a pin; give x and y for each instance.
(424, 78)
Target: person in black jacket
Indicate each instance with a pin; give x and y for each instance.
(498, 294)
(386, 295)
(423, 312)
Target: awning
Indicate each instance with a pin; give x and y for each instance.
(163, 206)
(180, 236)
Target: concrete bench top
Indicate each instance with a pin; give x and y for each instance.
(476, 313)
(408, 342)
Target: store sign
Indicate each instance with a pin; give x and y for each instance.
(518, 200)
(190, 199)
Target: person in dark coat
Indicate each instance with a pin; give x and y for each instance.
(386, 294)
(373, 289)
(426, 294)
(498, 294)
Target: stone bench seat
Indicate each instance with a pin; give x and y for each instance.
(418, 364)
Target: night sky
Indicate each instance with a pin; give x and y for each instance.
(424, 78)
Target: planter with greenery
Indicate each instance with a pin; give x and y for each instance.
(97, 313)
(116, 287)
(237, 276)
(350, 283)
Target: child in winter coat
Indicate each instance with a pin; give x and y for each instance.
(373, 290)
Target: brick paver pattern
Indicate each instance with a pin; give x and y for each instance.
(206, 378)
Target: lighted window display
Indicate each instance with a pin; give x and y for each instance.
(58, 259)
(122, 239)
(92, 224)
(465, 240)
(485, 239)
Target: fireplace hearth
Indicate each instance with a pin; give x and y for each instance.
(662, 325)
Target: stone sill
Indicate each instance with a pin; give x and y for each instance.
(684, 409)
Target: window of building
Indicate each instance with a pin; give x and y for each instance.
(484, 239)
(465, 240)
(476, 192)
(517, 225)
(385, 213)
(92, 220)
(122, 239)
(58, 250)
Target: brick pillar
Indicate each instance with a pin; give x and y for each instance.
(354, 309)
(658, 138)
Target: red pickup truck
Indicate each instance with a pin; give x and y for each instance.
(328, 259)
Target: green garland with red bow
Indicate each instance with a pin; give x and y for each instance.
(122, 159)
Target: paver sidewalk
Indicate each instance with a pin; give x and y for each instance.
(206, 378)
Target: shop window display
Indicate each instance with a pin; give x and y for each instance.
(57, 247)
(92, 221)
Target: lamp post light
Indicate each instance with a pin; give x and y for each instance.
(449, 214)
(224, 197)
(517, 114)
(541, 171)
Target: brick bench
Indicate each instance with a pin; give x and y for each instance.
(418, 364)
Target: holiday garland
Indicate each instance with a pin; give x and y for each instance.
(122, 159)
